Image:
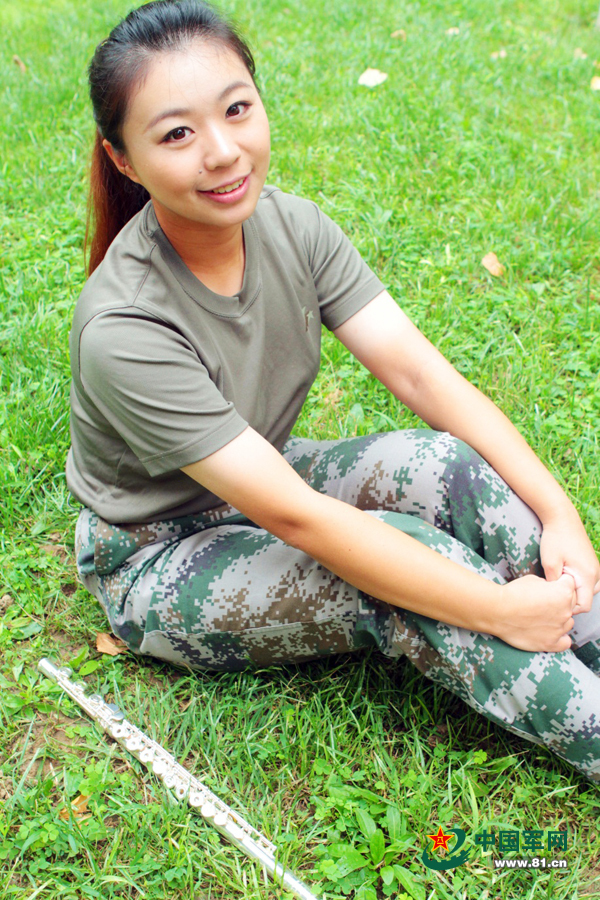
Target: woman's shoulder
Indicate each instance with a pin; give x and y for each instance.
(286, 217)
(126, 272)
(273, 202)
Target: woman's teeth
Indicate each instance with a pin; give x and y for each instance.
(228, 188)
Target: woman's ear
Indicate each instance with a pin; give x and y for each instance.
(120, 161)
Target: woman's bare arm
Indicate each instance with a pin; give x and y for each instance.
(253, 477)
(383, 338)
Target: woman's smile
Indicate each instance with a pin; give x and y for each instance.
(231, 192)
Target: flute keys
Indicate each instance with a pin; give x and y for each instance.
(115, 712)
(177, 778)
(159, 767)
(235, 831)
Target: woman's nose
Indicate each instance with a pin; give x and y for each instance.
(220, 148)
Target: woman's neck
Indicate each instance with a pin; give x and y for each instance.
(215, 255)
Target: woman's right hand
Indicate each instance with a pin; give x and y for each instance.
(537, 615)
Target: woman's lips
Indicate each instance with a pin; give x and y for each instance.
(229, 196)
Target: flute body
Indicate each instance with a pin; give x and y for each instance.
(184, 785)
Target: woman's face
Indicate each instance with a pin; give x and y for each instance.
(196, 136)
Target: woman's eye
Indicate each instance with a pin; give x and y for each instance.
(177, 134)
(236, 109)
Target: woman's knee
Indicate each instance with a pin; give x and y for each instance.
(459, 459)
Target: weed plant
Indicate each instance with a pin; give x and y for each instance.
(484, 137)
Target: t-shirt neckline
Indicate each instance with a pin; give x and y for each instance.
(217, 304)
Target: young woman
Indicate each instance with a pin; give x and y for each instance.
(209, 536)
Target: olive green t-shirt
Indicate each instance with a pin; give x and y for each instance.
(166, 372)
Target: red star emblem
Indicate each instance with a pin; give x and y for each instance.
(440, 840)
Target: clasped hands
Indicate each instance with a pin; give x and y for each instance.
(565, 549)
(538, 613)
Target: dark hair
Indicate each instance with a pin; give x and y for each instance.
(119, 63)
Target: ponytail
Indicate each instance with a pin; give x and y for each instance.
(113, 200)
(119, 63)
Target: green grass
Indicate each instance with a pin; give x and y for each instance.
(456, 154)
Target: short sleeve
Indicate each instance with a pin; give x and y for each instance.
(344, 282)
(153, 390)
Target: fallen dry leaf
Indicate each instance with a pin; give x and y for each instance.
(106, 643)
(372, 77)
(400, 34)
(595, 83)
(579, 53)
(333, 397)
(453, 31)
(79, 808)
(491, 262)
(498, 54)
(19, 62)
(53, 550)
(5, 602)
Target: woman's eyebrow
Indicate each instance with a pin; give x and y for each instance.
(185, 111)
(233, 87)
(178, 111)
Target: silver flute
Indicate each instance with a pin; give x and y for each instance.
(182, 784)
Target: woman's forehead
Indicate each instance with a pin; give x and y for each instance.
(201, 71)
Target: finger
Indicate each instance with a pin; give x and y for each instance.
(568, 581)
(553, 569)
(578, 580)
(583, 590)
(559, 645)
(583, 601)
(563, 644)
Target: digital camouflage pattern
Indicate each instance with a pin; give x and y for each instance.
(216, 591)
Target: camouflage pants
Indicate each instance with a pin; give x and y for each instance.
(216, 591)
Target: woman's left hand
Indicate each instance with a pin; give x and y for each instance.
(565, 546)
